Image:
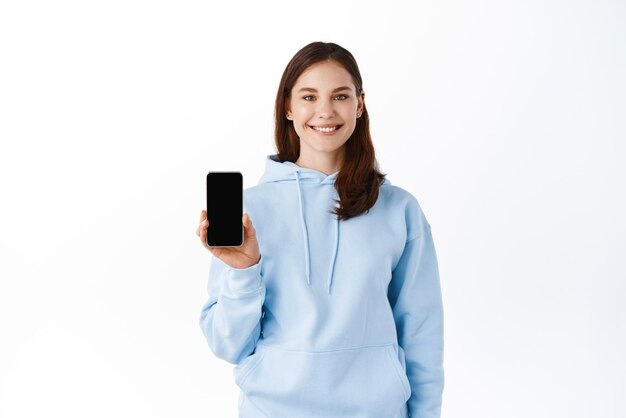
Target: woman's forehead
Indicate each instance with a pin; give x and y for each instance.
(326, 75)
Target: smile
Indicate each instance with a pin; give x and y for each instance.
(326, 129)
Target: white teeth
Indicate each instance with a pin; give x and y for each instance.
(317, 128)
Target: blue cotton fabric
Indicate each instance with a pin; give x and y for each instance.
(338, 318)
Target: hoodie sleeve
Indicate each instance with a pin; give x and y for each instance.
(231, 318)
(415, 298)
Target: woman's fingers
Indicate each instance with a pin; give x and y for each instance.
(203, 227)
(202, 218)
(248, 227)
(237, 257)
(201, 231)
(204, 223)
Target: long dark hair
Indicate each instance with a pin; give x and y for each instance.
(359, 179)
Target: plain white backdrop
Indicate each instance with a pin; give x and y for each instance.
(506, 119)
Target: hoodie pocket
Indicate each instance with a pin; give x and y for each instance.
(246, 366)
(364, 382)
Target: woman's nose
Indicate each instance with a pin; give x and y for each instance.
(325, 108)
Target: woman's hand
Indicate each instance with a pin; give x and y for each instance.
(236, 257)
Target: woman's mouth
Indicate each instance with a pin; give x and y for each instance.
(326, 130)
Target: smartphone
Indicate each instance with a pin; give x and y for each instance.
(224, 192)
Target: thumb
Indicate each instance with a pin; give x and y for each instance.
(247, 223)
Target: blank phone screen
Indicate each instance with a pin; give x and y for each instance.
(224, 209)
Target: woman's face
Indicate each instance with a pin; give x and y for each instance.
(324, 107)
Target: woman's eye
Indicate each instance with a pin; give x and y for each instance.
(309, 97)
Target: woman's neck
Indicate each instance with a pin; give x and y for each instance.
(327, 164)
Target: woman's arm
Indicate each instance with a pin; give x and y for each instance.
(415, 297)
(231, 318)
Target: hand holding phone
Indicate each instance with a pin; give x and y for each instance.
(233, 237)
(241, 257)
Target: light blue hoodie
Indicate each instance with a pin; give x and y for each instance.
(339, 318)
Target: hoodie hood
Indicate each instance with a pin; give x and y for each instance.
(287, 171)
(276, 172)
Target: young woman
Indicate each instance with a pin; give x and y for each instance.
(332, 306)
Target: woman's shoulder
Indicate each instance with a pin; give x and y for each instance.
(398, 194)
(402, 199)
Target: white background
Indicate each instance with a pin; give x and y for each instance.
(505, 119)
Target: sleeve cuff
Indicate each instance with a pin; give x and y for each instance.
(246, 280)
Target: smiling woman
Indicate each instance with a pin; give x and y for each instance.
(342, 315)
(322, 123)
(323, 110)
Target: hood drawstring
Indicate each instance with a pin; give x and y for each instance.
(332, 262)
(307, 255)
(304, 231)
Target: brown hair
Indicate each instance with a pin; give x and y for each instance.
(359, 179)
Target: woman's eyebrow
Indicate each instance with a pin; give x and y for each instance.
(315, 91)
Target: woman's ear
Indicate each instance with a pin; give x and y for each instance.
(288, 114)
